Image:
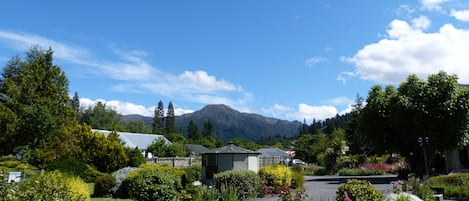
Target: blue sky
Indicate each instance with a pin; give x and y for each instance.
(291, 60)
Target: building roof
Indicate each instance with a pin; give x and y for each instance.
(196, 148)
(139, 140)
(273, 152)
(231, 149)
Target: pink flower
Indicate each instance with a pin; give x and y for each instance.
(346, 198)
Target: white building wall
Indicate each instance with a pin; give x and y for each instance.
(253, 163)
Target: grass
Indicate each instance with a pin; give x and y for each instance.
(108, 199)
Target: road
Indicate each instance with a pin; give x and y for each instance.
(323, 188)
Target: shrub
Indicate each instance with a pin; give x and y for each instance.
(358, 190)
(192, 173)
(297, 180)
(210, 194)
(456, 186)
(136, 157)
(75, 167)
(358, 172)
(422, 191)
(276, 175)
(155, 184)
(49, 186)
(120, 189)
(103, 185)
(244, 182)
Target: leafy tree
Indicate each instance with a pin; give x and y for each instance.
(161, 149)
(8, 126)
(248, 144)
(436, 108)
(170, 119)
(135, 126)
(158, 119)
(193, 130)
(36, 91)
(308, 147)
(101, 117)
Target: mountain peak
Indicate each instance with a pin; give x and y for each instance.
(218, 108)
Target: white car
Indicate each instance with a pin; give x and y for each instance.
(297, 162)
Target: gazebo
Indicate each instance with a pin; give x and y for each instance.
(229, 157)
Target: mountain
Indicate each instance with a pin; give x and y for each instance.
(230, 123)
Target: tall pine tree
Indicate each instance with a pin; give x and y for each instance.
(170, 119)
(193, 131)
(158, 119)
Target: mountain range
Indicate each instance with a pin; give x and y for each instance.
(230, 123)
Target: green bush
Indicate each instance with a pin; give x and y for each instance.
(297, 180)
(276, 175)
(358, 190)
(47, 186)
(103, 185)
(155, 184)
(358, 172)
(244, 182)
(192, 173)
(75, 167)
(136, 157)
(456, 186)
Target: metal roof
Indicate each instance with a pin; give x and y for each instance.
(139, 140)
(196, 148)
(273, 152)
(231, 149)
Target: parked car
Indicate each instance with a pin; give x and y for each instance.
(297, 162)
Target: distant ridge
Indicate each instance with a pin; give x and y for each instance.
(230, 123)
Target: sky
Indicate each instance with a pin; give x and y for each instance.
(292, 60)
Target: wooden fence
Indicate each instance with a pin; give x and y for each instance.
(176, 161)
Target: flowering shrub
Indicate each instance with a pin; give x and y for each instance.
(243, 182)
(358, 190)
(276, 175)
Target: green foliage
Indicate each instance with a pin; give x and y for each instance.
(247, 144)
(193, 131)
(229, 194)
(75, 167)
(276, 175)
(47, 186)
(192, 173)
(134, 126)
(161, 149)
(243, 182)
(298, 180)
(210, 194)
(359, 172)
(158, 119)
(170, 121)
(358, 190)
(155, 185)
(103, 185)
(136, 157)
(100, 117)
(456, 185)
(308, 147)
(422, 191)
(10, 163)
(402, 197)
(393, 119)
(35, 101)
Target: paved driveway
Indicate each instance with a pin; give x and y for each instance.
(323, 188)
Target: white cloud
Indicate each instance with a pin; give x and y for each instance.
(462, 15)
(201, 80)
(432, 4)
(136, 74)
(126, 108)
(309, 112)
(409, 50)
(278, 111)
(421, 23)
(314, 60)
